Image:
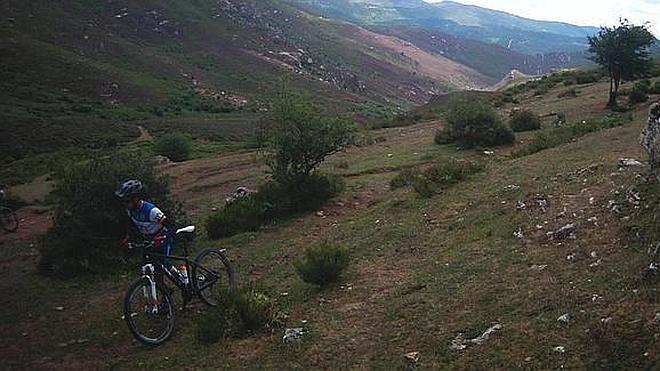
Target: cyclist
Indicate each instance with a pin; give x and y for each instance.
(147, 220)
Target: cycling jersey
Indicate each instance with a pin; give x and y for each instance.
(147, 218)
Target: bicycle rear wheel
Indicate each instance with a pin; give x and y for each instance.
(8, 219)
(212, 276)
(151, 323)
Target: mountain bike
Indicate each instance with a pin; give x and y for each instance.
(8, 218)
(149, 309)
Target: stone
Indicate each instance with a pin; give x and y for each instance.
(567, 231)
(293, 335)
(559, 349)
(650, 136)
(412, 357)
(564, 318)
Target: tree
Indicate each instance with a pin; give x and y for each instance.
(301, 136)
(623, 51)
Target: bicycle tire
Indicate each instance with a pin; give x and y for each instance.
(129, 314)
(200, 272)
(8, 219)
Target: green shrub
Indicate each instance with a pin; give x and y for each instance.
(570, 93)
(89, 220)
(435, 178)
(343, 164)
(568, 133)
(474, 124)
(323, 264)
(176, 146)
(524, 121)
(638, 93)
(656, 88)
(271, 201)
(239, 313)
(405, 177)
(243, 215)
(443, 136)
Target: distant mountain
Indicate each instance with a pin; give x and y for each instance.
(465, 21)
(490, 59)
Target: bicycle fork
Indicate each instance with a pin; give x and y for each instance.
(150, 292)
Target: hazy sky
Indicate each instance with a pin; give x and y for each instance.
(580, 12)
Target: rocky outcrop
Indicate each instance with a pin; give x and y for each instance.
(650, 138)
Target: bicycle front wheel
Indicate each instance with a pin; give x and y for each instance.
(150, 320)
(212, 276)
(8, 219)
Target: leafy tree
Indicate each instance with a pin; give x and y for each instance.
(301, 136)
(623, 51)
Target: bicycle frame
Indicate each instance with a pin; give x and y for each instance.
(156, 261)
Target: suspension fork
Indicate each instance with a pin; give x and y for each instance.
(150, 292)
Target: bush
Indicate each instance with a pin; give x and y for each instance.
(405, 177)
(434, 179)
(89, 220)
(474, 123)
(570, 93)
(656, 88)
(566, 134)
(323, 264)
(271, 201)
(239, 313)
(638, 93)
(524, 121)
(175, 146)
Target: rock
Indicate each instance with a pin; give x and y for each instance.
(596, 264)
(567, 231)
(59, 309)
(293, 335)
(606, 321)
(460, 343)
(656, 319)
(489, 153)
(629, 162)
(240, 192)
(559, 349)
(520, 205)
(512, 187)
(650, 137)
(564, 318)
(161, 160)
(412, 357)
(633, 196)
(519, 233)
(536, 267)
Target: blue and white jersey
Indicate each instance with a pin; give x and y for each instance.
(147, 218)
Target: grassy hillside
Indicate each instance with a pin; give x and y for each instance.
(425, 269)
(85, 73)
